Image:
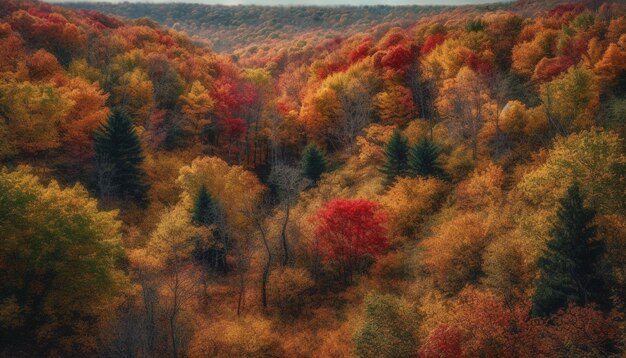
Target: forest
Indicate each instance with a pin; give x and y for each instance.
(441, 185)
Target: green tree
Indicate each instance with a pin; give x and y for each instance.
(396, 152)
(203, 211)
(568, 267)
(389, 329)
(424, 159)
(313, 163)
(119, 158)
(58, 273)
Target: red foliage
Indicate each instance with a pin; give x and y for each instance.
(548, 68)
(360, 52)
(443, 342)
(331, 68)
(398, 57)
(566, 9)
(347, 230)
(235, 128)
(431, 42)
(478, 65)
(391, 40)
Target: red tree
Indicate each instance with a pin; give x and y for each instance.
(349, 230)
(431, 42)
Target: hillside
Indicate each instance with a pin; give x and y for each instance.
(446, 184)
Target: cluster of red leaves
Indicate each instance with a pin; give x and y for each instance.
(350, 229)
(431, 42)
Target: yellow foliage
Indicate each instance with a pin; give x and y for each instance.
(410, 200)
(454, 251)
(244, 337)
(482, 189)
(235, 189)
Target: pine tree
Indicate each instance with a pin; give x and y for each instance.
(203, 211)
(423, 159)
(568, 267)
(313, 163)
(120, 156)
(396, 152)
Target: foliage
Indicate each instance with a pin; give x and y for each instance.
(59, 266)
(569, 265)
(348, 231)
(313, 163)
(388, 330)
(396, 151)
(120, 156)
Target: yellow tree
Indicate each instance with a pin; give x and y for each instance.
(462, 102)
(196, 107)
(58, 273)
(571, 100)
(31, 115)
(134, 92)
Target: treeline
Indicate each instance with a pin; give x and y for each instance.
(229, 28)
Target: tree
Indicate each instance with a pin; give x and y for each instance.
(31, 116)
(288, 183)
(313, 163)
(389, 329)
(461, 102)
(424, 159)
(348, 231)
(197, 107)
(568, 266)
(571, 100)
(203, 208)
(58, 273)
(119, 158)
(396, 152)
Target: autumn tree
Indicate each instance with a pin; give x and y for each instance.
(462, 103)
(389, 328)
(396, 151)
(59, 262)
(119, 157)
(424, 159)
(197, 106)
(347, 231)
(569, 265)
(313, 163)
(571, 100)
(288, 184)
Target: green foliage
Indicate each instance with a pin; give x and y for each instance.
(120, 156)
(313, 163)
(424, 159)
(57, 272)
(396, 152)
(203, 208)
(568, 267)
(389, 329)
(475, 25)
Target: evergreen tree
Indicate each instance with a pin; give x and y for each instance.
(203, 211)
(423, 159)
(568, 267)
(119, 156)
(396, 152)
(313, 163)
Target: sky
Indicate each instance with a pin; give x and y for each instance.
(306, 2)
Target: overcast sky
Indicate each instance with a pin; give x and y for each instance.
(308, 2)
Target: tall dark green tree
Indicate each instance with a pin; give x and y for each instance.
(119, 157)
(203, 212)
(424, 159)
(569, 265)
(396, 151)
(313, 163)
